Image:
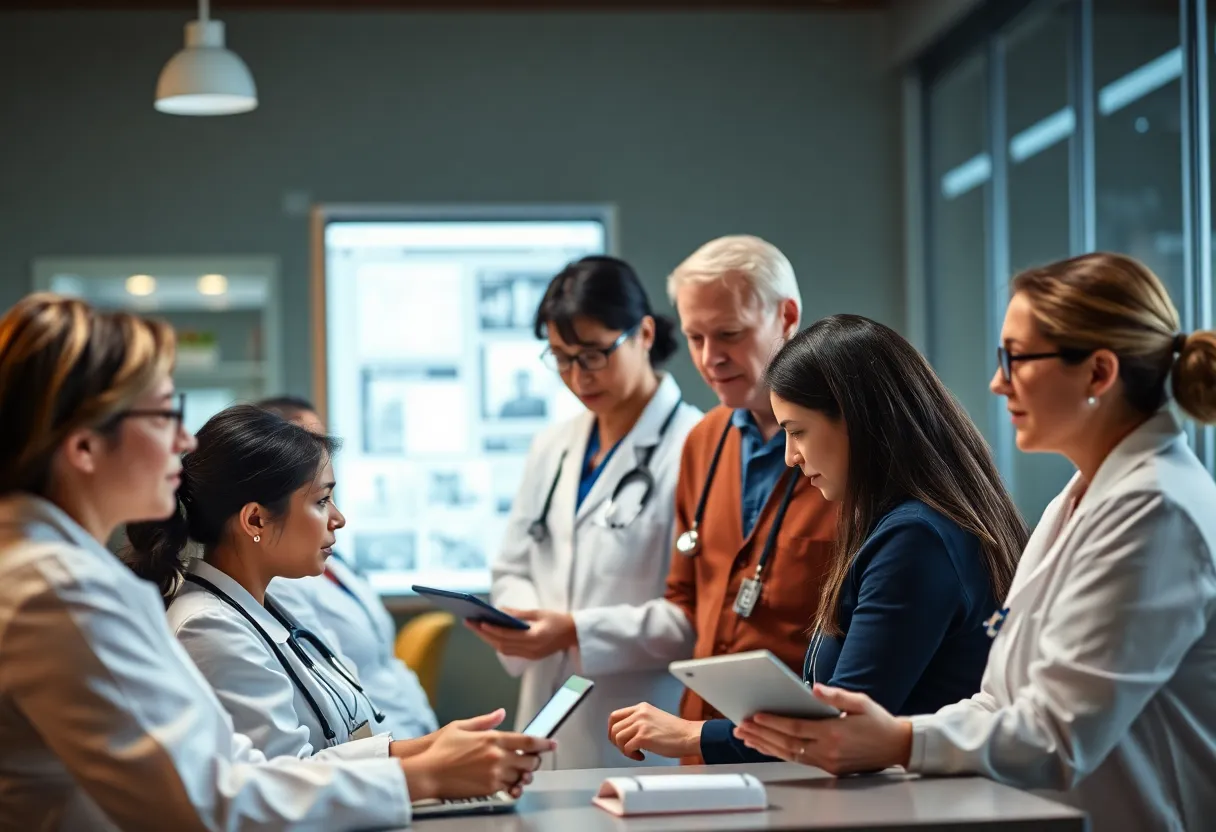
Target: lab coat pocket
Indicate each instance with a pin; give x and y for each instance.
(623, 565)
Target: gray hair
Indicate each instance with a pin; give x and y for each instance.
(760, 263)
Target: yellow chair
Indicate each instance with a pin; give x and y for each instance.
(421, 643)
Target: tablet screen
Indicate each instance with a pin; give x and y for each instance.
(550, 717)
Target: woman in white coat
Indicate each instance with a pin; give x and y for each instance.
(588, 542)
(104, 722)
(349, 611)
(1099, 685)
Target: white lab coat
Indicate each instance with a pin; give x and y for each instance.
(1101, 683)
(105, 724)
(265, 704)
(361, 629)
(611, 580)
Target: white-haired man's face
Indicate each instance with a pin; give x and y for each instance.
(732, 337)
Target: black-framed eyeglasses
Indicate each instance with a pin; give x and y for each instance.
(591, 359)
(176, 414)
(1006, 359)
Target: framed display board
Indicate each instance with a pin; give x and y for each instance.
(428, 369)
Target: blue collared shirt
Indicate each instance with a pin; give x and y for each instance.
(763, 463)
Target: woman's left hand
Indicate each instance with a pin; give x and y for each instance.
(549, 633)
(864, 738)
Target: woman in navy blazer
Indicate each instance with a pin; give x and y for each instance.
(928, 537)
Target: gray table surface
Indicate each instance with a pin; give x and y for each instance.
(800, 798)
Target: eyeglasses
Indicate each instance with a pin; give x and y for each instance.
(176, 415)
(592, 359)
(1005, 359)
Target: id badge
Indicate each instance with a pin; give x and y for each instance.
(362, 731)
(749, 594)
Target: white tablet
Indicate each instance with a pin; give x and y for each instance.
(741, 685)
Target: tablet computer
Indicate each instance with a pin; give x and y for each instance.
(469, 606)
(741, 685)
(545, 724)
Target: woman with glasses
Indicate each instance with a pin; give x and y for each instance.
(1099, 683)
(588, 541)
(105, 723)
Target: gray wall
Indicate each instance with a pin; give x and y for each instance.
(784, 125)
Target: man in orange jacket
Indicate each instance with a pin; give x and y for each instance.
(737, 585)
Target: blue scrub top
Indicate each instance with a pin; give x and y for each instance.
(590, 473)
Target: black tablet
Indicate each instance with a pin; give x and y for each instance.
(469, 607)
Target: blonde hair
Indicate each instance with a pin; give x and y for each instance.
(65, 366)
(767, 271)
(1111, 301)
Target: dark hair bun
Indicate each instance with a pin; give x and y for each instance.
(665, 343)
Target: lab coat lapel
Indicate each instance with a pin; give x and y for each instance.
(565, 498)
(1056, 531)
(645, 434)
(359, 589)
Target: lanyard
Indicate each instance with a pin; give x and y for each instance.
(770, 543)
(750, 588)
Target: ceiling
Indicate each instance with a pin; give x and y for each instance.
(221, 6)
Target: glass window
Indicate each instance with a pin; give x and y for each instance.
(959, 172)
(1138, 135)
(1041, 124)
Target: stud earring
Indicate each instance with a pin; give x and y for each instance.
(1092, 401)
(257, 538)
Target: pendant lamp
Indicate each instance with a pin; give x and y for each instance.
(205, 79)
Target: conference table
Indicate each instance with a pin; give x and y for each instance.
(799, 797)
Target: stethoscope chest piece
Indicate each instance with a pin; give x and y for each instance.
(689, 542)
(538, 530)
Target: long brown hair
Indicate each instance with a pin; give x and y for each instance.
(908, 439)
(66, 366)
(1111, 301)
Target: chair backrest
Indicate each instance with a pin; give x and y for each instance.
(421, 643)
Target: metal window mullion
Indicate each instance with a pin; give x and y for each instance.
(998, 256)
(1197, 191)
(1082, 198)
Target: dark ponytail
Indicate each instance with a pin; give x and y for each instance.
(606, 290)
(156, 550)
(245, 455)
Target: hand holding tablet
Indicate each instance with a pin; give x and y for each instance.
(469, 607)
(741, 685)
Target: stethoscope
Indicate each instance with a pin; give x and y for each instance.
(538, 529)
(295, 635)
(688, 543)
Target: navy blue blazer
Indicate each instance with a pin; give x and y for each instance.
(912, 609)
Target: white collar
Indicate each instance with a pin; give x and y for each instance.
(645, 432)
(36, 519)
(1150, 438)
(277, 632)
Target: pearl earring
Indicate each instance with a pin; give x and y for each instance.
(1092, 401)
(257, 538)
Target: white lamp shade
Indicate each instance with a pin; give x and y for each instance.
(205, 79)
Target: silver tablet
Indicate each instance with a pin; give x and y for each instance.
(741, 685)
